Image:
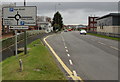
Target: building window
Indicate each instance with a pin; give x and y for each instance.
(91, 19)
(101, 26)
(95, 19)
(91, 25)
(95, 25)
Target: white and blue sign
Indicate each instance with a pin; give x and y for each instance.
(19, 16)
(22, 23)
(11, 9)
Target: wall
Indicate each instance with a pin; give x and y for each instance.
(109, 29)
(116, 21)
(105, 22)
(0, 28)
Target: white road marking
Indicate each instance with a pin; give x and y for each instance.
(65, 47)
(92, 39)
(62, 63)
(62, 38)
(70, 62)
(74, 73)
(114, 48)
(101, 43)
(68, 55)
(66, 50)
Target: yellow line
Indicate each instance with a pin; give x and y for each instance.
(61, 62)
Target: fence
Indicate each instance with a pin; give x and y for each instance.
(9, 41)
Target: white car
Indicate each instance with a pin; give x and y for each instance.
(83, 32)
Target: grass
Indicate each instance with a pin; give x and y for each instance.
(102, 36)
(38, 58)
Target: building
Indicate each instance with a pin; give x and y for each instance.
(44, 23)
(80, 27)
(5, 29)
(109, 23)
(92, 24)
(0, 21)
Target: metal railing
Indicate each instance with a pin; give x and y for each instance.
(10, 41)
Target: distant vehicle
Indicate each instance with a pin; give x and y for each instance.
(69, 29)
(83, 32)
(65, 30)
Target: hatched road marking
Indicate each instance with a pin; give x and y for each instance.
(115, 48)
(101, 43)
(62, 63)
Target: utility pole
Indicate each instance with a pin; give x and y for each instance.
(25, 37)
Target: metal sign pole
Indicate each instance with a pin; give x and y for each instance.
(25, 42)
(25, 37)
(16, 43)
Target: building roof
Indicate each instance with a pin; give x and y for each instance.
(108, 15)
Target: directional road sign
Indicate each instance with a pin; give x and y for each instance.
(20, 16)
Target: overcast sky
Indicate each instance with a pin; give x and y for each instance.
(73, 12)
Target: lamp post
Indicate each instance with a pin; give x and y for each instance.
(56, 6)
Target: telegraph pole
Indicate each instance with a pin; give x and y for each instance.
(25, 37)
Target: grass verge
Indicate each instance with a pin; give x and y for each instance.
(38, 64)
(102, 36)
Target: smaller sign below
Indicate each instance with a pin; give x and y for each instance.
(18, 27)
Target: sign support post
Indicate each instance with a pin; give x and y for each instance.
(25, 42)
(16, 43)
(25, 37)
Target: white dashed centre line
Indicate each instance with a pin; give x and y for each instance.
(66, 50)
(70, 62)
(74, 72)
(65, 47)
(68, 55)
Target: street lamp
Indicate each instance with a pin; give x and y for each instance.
(56, 25)
(56, 6)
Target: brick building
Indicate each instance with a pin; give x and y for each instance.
(92, 24)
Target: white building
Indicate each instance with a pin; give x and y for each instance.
(44, 23)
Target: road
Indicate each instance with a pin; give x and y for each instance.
(90, 57)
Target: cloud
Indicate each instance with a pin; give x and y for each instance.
(61, 0)
(73, 12)
(76, 12)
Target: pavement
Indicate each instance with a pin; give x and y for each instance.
(87, 56)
